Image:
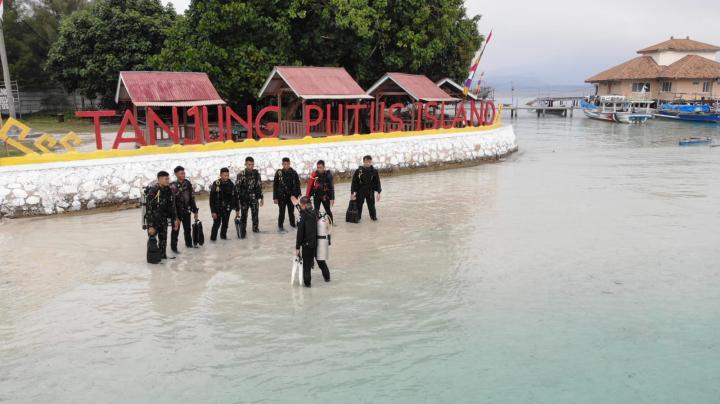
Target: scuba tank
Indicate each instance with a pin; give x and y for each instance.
(143, 204)
(323, 238)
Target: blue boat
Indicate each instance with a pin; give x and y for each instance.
(689, 112)
(690, 141)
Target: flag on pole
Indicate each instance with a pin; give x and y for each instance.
(474, 65)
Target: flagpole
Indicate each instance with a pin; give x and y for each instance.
(6, 71)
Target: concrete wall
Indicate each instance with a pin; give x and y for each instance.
(52, 188)
(685, 89)
(666, 58)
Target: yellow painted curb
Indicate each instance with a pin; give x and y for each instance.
(230, 145)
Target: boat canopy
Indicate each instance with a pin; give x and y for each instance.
(686, 108)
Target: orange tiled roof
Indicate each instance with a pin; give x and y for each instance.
(692, 67)
(645, 68)
(642, 67)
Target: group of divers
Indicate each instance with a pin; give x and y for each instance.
(173, 204)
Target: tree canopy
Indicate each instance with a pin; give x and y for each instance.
(239, 41)
(30, 28)
(109, 36)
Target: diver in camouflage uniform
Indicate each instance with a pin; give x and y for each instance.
(159, 208)
(250, 196)
(286, 186)
(223, 200)
(185, 203)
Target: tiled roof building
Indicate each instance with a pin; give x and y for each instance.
(671, 70)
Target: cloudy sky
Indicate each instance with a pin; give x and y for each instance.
(566, 41)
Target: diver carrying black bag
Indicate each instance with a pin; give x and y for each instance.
(154, 255)
(353, 214)
(197, 234)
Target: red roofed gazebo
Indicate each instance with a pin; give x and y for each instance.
(408, 89)
(300, 85)
(167, 89)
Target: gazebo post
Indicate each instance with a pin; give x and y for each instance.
(345, 121)
(279, 95)
(377, 113)
(135, 113)
(147, 127)
(184, 131)
(303, 119)
(412, 114)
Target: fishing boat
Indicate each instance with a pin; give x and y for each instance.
(616, 108)
(689, 112)
(690, 141)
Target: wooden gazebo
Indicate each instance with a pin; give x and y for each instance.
(297, 86)
(455, 90)
(408, 89)
(162, 91)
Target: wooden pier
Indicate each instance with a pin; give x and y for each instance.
(542, 106)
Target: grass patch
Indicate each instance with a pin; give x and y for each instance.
(49, 123)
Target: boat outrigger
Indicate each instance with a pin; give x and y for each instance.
(615, 108)
(690, 112)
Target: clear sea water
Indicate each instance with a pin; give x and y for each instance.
(583, 269)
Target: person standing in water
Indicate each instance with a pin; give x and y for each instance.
(286, 186)
(159, 208)
(185, 201)
(321, 188)
(223, 200)
(365, 183)
(306, 241)
(250, 196)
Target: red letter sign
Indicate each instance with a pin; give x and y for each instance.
(153, 118)
(309, 122)
(138, 139)
(400, 124)
(270, 125)
(96, 115)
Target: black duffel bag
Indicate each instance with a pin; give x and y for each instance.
(353, 214)
(154, 255)
(197, 234)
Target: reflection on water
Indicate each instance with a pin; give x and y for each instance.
(582, 269)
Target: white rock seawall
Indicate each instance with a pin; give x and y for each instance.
(51, 188)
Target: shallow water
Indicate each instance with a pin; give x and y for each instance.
(584, 268)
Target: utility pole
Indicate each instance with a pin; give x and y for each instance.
(6, 70)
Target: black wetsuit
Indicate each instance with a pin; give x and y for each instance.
(249, 192)
(323, 191)
(185, 203)
(160, 207)
(285, 186)
(306, 241)
(223, 200)
(365, 182)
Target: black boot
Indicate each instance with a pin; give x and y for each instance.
(243, 233)
(256, 229)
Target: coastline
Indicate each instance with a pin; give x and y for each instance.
(116, 183)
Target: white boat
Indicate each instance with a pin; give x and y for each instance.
(616, 108)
